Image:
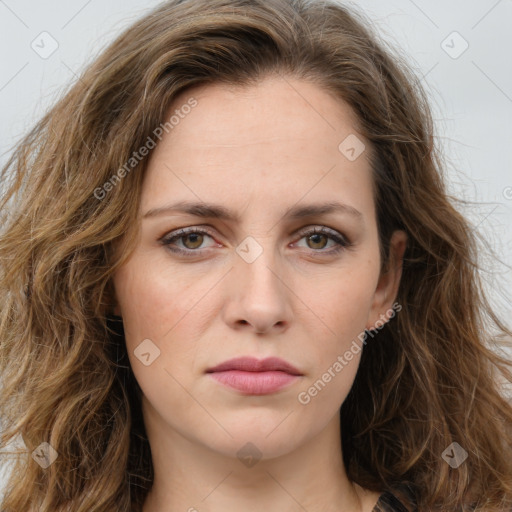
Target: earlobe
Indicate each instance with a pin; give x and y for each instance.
(389, 282)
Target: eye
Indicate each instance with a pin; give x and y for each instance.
(191, 240)
(317, 236)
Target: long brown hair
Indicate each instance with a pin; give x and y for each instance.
(430, 378)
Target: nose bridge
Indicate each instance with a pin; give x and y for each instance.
(260, 296)
(256, 265)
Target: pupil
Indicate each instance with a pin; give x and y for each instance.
(315, 237)
(194, 237)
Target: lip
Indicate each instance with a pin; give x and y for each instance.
(255, 377)
(251, 364)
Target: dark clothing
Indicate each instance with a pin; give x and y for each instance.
(388, 502)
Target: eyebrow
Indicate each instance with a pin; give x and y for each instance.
(210, 210)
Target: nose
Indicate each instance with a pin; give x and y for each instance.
(258, 296)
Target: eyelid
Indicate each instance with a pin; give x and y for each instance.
(211, 232)
(177, 233)
(319, 228)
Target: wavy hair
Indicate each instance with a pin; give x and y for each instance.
(431, 376)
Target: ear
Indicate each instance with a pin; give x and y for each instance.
(389, 282)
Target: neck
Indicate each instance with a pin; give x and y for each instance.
(192, 477)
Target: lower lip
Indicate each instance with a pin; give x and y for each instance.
(255, 383)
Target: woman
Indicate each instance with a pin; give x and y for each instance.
(173, 338)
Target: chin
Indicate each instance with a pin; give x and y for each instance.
(259, 440)
(250, 448)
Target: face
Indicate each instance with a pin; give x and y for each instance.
(269, 278)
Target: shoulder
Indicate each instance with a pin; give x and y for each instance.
(401, 499)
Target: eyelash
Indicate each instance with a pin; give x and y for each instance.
(341, 241)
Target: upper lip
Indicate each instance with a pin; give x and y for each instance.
(251, 364)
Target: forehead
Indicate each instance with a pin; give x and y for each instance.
(277, 107)
(280, 138)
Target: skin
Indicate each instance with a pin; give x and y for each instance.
(257, 150)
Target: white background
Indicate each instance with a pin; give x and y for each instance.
(471, 95)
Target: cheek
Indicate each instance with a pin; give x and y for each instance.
(154, 302)
(158, 308)
(323, 394)
(169, 310)
(343, 309)
(343, 303)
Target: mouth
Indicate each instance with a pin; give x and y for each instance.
(255, 377)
